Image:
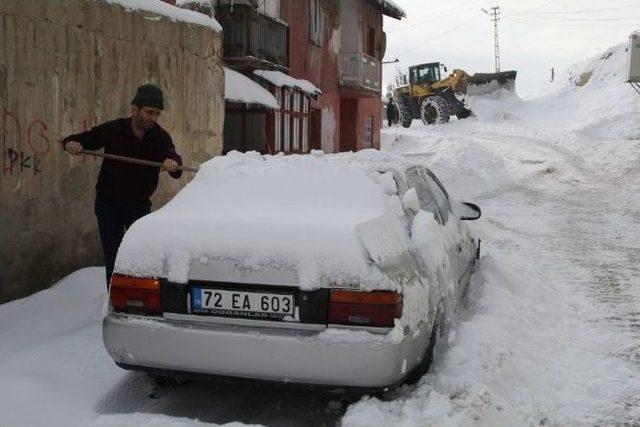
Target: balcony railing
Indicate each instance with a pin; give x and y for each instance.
(253, 38)
(361, 71)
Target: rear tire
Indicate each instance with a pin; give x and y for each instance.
(406, 113)
(434, 110)
(427, 360)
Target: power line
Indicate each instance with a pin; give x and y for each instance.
(576, 12)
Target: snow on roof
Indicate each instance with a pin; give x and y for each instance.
(301, 212)
(240, 88)
(390, 8)
(172, 12)
(280, 79)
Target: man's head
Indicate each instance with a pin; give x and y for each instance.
(147, 106)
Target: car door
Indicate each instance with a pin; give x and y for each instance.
(464, 248)
(448, 267)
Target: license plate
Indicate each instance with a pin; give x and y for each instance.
(243, 304)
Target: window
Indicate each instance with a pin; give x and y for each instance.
(368, 132)
(316, 22)
(371, 42)
(444, 206)
(425, 196)
(292, 121)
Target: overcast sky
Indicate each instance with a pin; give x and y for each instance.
(535, 35)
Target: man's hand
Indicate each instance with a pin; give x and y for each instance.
(170, 165)
(73, 148)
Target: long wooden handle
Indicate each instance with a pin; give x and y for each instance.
(134, 160)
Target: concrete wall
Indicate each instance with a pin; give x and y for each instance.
(64, 67)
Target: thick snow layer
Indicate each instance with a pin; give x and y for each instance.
(172, 12)
(239, 88)
(280, 79)
(306, 213)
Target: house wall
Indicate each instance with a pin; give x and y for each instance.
(64, 67)
(317, 64)
(344, 112)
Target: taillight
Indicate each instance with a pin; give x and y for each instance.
(377, 308)
(135, 294)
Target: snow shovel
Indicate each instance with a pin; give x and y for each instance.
(134, 161)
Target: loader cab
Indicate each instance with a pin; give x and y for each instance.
(425, 74)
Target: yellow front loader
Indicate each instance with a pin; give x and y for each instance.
(433, 99)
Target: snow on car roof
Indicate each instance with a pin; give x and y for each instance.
(300, 212)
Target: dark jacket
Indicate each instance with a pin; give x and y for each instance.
(125, 182)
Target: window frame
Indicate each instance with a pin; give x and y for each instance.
(316, 22)
(424, 192)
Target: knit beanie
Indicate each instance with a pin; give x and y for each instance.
(149, 95)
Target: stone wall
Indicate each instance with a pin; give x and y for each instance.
(64, 67)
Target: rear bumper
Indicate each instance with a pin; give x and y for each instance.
(266, 354)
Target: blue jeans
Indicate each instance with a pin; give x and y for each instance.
(114, 218)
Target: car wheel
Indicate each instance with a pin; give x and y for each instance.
(424, 366)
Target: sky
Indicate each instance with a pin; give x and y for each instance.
(534, 36)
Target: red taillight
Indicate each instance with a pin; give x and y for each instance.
(135, 294)
(377, 308)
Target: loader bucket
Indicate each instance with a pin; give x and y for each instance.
(484, 83)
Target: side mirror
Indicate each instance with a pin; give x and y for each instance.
(445, 69)
(470, 212)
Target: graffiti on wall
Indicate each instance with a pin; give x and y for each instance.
(27, 143)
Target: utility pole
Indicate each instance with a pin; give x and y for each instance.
(495, 14)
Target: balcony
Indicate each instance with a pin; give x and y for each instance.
(360, 71)
(253, 40)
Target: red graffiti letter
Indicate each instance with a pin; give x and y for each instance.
(42, 133)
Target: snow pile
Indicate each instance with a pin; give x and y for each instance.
(594, 98)
(239, 88)
(171, 12)
(300, 212)
(495, 106)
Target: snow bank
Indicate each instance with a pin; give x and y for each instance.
(169, 11)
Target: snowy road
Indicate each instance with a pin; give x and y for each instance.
(549, 332)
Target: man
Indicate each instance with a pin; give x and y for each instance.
(123, 189)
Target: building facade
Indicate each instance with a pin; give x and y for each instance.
(323, 64)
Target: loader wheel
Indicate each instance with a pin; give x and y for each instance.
(434, 110)
(406, 113)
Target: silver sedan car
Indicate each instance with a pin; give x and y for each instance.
(221, 316)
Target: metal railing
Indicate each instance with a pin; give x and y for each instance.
(248, 33)
(360, 70)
